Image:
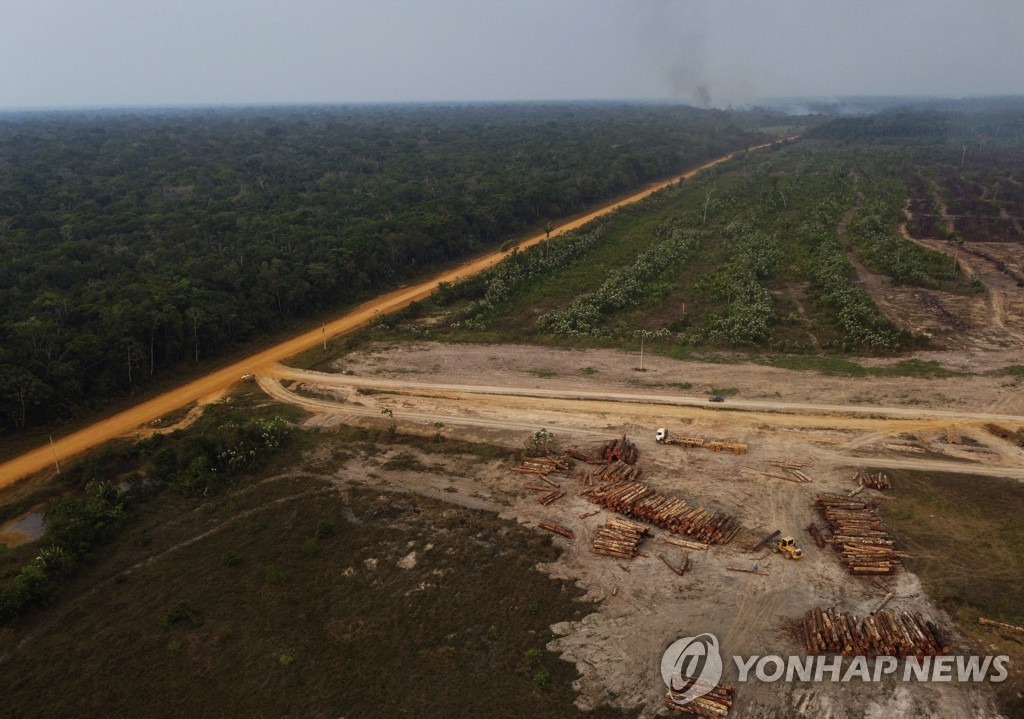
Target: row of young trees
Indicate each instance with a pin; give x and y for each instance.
(722, 271)
(132, 244)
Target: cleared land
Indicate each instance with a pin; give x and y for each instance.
(921, 417)
(647, 606)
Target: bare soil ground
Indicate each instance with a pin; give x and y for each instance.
(992, 320)
(644, 606)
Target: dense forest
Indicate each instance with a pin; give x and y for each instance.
(132, 244)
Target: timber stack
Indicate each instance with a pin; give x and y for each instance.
(614, 471)
(715, 703)
(873, 480)
(541, 465)
(1009, 435)
(619, 449)
(619, 538)
(858, 535)
(896, 634)
(639, 500)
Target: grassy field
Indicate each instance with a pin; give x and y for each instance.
(966, 539)
(288, 597)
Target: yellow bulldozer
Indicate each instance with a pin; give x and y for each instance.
(787, 548)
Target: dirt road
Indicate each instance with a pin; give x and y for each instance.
(586, 416)
(215, 382)
(804, 408)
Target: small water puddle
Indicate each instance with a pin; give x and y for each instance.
(24, 529)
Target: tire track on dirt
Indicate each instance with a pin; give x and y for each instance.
(591, 418)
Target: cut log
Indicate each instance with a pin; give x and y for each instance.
(686, 543)
(748, 571)
(583, 457)
(680, 570)
(813, 530)
(765, 541)
(567, 533)
(881, 604)
(1000, 625)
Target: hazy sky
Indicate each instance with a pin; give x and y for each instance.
(160, 52)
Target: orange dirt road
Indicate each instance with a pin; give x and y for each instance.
(216, 382)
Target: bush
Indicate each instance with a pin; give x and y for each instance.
(181, 612)
(78, 524)
(324, 530)
(274, 574)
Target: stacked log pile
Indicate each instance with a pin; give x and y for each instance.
(541, 465)
(540, 468)
(716, 703)
(636, 499)
(897, 634)
(858, 535)
(873, 480)
(1009, 435)
(614, 471)
(619, 449)
(619, 538)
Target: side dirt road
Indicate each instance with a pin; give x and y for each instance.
(216, 382)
